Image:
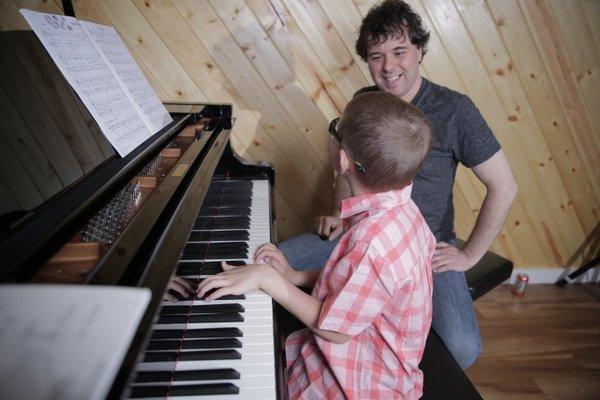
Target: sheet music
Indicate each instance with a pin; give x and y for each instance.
(108, 41)
(65, 341)
(84, 68)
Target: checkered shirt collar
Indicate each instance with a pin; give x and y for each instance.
(372, 202)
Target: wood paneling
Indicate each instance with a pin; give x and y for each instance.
(289, 66)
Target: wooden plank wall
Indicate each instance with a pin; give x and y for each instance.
(288, 66)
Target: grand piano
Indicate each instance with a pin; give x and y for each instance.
(72, 211)
(75, 212)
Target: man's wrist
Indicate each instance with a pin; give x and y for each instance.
(472, 257)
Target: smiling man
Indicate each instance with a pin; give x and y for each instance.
(393, 42)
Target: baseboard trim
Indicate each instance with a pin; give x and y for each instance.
(551, 275)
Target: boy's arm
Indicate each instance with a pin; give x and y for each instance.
(303, 306)
(243, 279)
(269, 254)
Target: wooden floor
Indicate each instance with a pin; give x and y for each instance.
(543, 346)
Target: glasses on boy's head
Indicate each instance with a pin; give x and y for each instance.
(334, 132)
(333, 129)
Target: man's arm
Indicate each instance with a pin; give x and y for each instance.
(330, 226)
(497, 176)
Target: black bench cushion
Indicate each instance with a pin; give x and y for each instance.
(488, 273)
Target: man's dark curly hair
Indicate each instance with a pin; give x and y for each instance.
(390, 19)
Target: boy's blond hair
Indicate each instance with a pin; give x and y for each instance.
(389, 137)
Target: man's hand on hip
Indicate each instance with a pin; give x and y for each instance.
(450, 258)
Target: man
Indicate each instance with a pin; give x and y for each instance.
(393, 42)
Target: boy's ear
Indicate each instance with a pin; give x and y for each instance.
(345, 162)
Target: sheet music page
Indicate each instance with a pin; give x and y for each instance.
(65, 341)
(84, 68)
(129, 74)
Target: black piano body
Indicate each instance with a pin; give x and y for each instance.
(52, 236)
(61, 235)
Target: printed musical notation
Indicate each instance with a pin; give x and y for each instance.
(117, 95)
(65, 341)
(128, 73)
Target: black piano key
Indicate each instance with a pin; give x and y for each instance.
(224, 211)
(194, 375)
(196, 333)
(202, 251)
(203, 308)
(211, 223)
(222, 255)
(183, 390)
(232, 183)
(228, 343)
(200, 318)
(226, 297)
(225, 354)
(231, 236)
(226, 202)
(210, 255)
(228, 196)
(203, 267)
(225, 246)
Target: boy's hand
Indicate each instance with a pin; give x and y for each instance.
(235, 280)
(328, 227)
(178, 285)
(269, 254)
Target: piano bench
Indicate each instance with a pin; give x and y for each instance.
(489, 272)
(443, 377)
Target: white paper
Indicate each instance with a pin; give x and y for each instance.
(65, 341)
(129, 74)
(84, 68)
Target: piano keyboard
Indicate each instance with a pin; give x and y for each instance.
(221, 349)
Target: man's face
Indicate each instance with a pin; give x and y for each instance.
(394, 66)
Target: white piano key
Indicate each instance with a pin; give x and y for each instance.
(245, 393)
(245, 381)
(262, 364)
(250, 345)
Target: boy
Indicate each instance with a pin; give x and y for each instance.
(370, 309)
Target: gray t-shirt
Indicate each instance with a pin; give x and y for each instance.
(460, 134)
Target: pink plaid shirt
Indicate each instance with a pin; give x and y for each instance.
(376, 287)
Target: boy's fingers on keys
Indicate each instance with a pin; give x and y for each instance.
(223, 291)
(169, 297)
(226, 266)
(209, 283)
(182, 282)
(180, 289)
